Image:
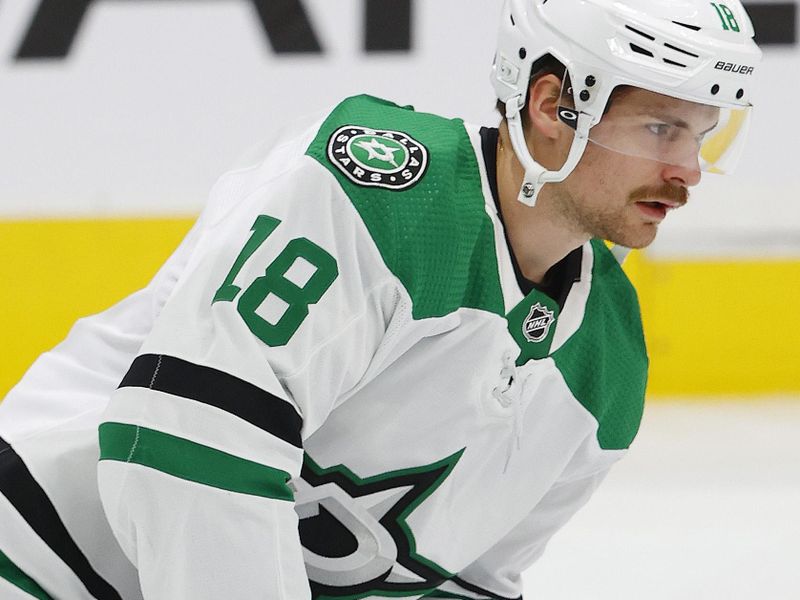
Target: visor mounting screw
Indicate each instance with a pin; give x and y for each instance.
(528, 189)
(523, 53)
(585, 95)
(714, 89)
(739, 94)
(590, 80)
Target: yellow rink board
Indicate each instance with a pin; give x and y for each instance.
(720, 327)
(713, 327)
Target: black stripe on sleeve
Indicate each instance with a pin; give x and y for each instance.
(219, 389)
(31, 502)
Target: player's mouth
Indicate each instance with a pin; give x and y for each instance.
(656, 210)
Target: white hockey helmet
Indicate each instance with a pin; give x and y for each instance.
(693, 50)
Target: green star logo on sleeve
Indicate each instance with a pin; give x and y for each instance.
(378, 158)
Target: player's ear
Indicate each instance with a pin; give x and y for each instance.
(543, 97)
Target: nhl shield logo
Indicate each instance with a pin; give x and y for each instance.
(378, 157)
(536, 325)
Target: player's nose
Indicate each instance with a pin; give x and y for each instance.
(686, 174)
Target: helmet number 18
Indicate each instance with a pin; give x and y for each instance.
(726, 16)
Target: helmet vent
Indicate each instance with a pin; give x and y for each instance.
(692, 27)
(663, 47)
(640, 50)
(641, 33)
(681, 50)
(672, 62)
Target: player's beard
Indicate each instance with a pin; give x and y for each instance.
(620, 222)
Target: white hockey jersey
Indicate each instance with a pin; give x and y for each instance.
(348, 395)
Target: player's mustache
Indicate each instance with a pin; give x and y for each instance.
(662, 192)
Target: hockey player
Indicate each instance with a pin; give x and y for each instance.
(393, 357)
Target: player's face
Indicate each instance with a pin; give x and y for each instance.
(640, 165)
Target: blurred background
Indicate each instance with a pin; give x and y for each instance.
(118, 116)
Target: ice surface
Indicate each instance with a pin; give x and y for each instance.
(705, 506)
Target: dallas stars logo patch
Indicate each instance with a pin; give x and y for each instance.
(378, 157)
(537, 324)
(356, 541)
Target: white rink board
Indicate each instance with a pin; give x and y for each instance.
(158, 97)
(704, 506)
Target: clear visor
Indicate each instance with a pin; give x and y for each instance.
(653, 126)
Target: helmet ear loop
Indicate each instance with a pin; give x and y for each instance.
(535, 174)
(576, 151)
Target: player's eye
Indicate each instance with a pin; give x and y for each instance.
(662, 130)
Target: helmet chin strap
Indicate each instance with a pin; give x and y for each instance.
(535, 174)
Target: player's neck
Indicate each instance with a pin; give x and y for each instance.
(539, 235)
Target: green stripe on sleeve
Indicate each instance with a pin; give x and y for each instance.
(13, 574)
(191, 461)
